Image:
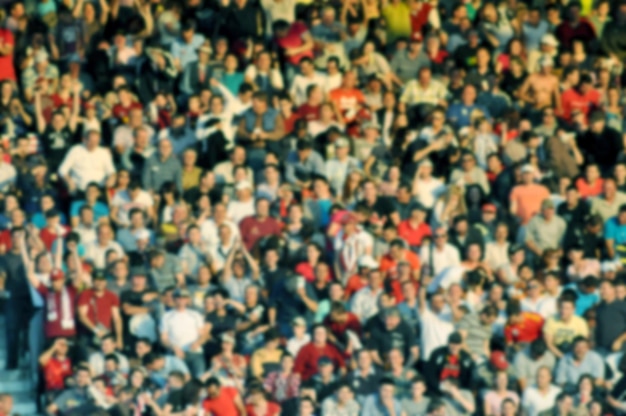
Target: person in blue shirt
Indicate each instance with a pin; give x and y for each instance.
(615, 235)
(185, 49)
(586, 291)
(46, 203)
(461, 114)
(100, 209)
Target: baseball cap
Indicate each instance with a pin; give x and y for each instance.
(298, 321)
(304, 144)
(57, 274)
(498, 360)
(324, 360)
(392, 311)
(367, 261)
(597, 116)
(528, 169)
(547, 204)
(228, 338)
(489, 207)
(608, 266)
(370, 125)
(549, 39)
(98, 275)
(243, 185)
(514, 248)
(182, 293)
(342, 142)
(417, 37)
(455, 338)
(141, 234)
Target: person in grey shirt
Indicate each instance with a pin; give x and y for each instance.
(417, 404)
(165, 270)
(545, 230)
(162, 167)
(407, 63)
(528, 361)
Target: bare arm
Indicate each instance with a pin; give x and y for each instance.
(41, 122)
(117, 322)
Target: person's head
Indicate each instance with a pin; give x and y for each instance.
(544, 377)
(181, 298)
(547, 209)
(386, 390)
(424, 75)
(213, 387)
(455, 343)
(392, 319)
(580, 347)
(307, 406)
(319, 335)
(82, 376)
(597, 121)
(375, 279)
(488, 315)
(567, 307)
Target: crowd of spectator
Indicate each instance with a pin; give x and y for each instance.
(314, 207)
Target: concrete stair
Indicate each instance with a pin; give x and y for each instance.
(18, 383)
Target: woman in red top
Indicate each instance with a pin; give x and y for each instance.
(436, 54)
(258, 405)
(313, 257)
(592, 183)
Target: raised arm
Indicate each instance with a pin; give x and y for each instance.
(41, 121)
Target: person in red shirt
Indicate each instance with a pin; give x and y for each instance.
(256, 227)
(258, 405)
(358, 281)
(53, 228)
(581, 98)
(397, 253)
(521, 327)
(338, 322)
(55, 365)
(125, 104)
(309, 355)
(99, 310)
(222, 401)
(7, 42)
(310, 110)
(414, 229)
(294, 41)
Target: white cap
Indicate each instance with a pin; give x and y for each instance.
(549, 39)
(243, 185)
(41, 56)
(528, 168)
(608, 266)
(142, 234)
(367, 261)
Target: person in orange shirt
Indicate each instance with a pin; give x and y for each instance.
(414, 229)
(258, 405)
(222, 401)
(397, 253)
(526, 198)
(592, 184)
(521, 327)
(347, 99)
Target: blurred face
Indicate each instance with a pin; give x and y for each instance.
(83, 378)
(543, 377)
(566, 310)
(319, 335)
(386, 392)
(165, 148)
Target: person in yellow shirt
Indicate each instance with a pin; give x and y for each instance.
(396, 15)
(560, 330)
(267, 358)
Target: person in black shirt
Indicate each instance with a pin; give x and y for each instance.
(395, 334)
(382, 207)
(573, 210)
(58, 136)
(135, 302)
(206, 187)
(610, 331)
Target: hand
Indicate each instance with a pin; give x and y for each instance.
(179, 353)
(214, 83)
(617, 345)
(119, 344)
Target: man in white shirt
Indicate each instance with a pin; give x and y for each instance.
(209, 228)
(365, 301)
(97, 251)
(183, 331)
(301, 82)
(444, 255)
(87, 162)
(435, 319)
(243, 206)
(542, 396)
(124, 201)
(97, 359)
